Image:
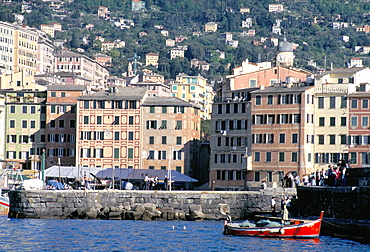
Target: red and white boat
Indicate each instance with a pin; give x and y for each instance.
(296, 229)
(4, 204)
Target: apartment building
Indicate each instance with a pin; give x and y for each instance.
(194, 89)
(61, 123)
(151, 59)
(281, 133)
(230, 147)
(25, 50)
(125, 128)
(45, 56)
(6, 47)
(83, 66)
(24, 127)
(171, 135)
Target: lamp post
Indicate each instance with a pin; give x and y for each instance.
(43, 166)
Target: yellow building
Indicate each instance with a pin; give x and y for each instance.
(151, 59)
(194, 89)
(25, 50)
(19, 81)
(210, 27)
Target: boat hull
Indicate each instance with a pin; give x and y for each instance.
(4, 205)
(307, 229)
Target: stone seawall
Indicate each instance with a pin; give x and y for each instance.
(337, 202)
(145, 205)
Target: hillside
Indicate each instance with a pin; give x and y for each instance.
(309, 24)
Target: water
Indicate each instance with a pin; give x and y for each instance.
(109, 235)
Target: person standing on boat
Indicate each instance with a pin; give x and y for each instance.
(284, 210)
(273, 207)
(165, 180)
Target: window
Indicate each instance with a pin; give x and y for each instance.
(343, 139)
(131, 136)
(321, 139)
(151, 140)
(270, 119)
(24, 124)
(164, 110)
(152, 109)
(343, 102)
(354, 104)
(219, 139)
(332, 103)
(174, 88)
(236, 108)
(99, 153)
(192, 88)
(256, 176)
(322, 121)
(258, 119)
(343, 121)
(12, 109)
(258, 100)
(116, 152)
(294, 138)
(164, 140)
(164, 124)
(294, 157)
(130, 120)
(24, 109)
(12, 124)
(353, 158)
(281, 156)
(268, 156)
(61, 123)
(227, 108)
(116, 120)
(151, 167)
(257, 156)
(33, 124)
(52, 109)
(270, 99)
(73, 109)
(86, 104)
(178, 125)
(365, 104)
(354, 121)
(60, 152)
(177, 155)
(332, 121)
(33, 109)
(296, 118)
(86, 120)
(63, 94)
(331, 139)
(282, 138)
(130, 153)
(116, 135)
(365, 121)
(270, 138)
(72, 123)
(98, 120)
(309, 157)
(252, 83)
(283, 119)
(151, 124)
(151, 154)
(178, 140)
(320, 104)
(162, 155)
(53, 94)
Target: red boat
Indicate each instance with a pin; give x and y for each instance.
(296, 229)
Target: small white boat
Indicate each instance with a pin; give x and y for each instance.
(4, 203)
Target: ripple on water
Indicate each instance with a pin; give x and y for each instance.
(106, 235)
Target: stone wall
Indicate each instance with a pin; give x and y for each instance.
(337, 202)
(146, 205)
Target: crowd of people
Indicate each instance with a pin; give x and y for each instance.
(335, 175)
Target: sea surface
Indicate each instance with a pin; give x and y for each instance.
(109, 235)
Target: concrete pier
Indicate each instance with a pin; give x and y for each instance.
(147, 205)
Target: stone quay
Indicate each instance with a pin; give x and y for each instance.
(142, 205)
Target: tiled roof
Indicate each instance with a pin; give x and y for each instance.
(165, 101)
(67, 87)
(122, 93)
